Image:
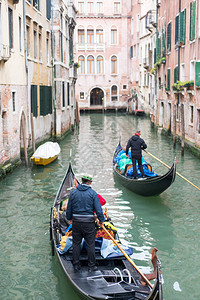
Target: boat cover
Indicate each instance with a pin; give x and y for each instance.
(47, 150)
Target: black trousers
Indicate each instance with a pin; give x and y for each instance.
(139, 159)
(87, 231)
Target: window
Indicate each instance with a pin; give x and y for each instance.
(182, 27)
(82, 96)
(131, 52)
(40, 46)
(81, 36)
(35, 43)
(168, 79)
(169, 37)
(68, 95)
(192, 73)
(47, 49)
(48, 9)
(90, 64)
(176, 29)
(13, 101)
(192, 20)
(100, 63)
(113, 36)
(90, 36)
(81, 61)
(114, 96)
(20, 34)
(124, 87)
(99, 7)
(176, 75)
(182, 75)
(81, 7)
(10, 20)
(116, 7)
(113, 64)
(99, 36)
(63, 93)
(197, 75)
(191, 114)
(36, 4)
(90, 7)
(198, 121)
(28, 40)
(138, 23)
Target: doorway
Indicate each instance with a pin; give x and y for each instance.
(96, 96)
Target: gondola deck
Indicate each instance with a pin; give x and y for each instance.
(114, 279)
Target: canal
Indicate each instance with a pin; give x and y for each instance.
(170, 221)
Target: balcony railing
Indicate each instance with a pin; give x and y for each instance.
(96, 47)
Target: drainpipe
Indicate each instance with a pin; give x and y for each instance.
(53, 72)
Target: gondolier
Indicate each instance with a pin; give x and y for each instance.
(83, 202)
(137, 145)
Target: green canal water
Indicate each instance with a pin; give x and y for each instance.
(170, 221)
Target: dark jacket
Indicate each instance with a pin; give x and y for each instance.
(136, 144)
(83, 202)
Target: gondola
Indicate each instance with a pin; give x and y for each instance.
(115, 277)
(148, 186)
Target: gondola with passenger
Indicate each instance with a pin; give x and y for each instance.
(152, 184)
(116, 277)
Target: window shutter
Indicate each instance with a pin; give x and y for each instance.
(175, 74)
(34, 100)
(158, 47)
(197, 75)
(42, 101)
(192, 20)
(63, 94)
(169, 37)
(182, 24)
(48, 9)
(68, 95)
(177, 29)
(163, 43)
(168, 79)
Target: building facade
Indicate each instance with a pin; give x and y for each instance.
(102, 46)
(37, 81)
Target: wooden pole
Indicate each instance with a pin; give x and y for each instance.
(129, 259)
(169, 168)
(174, 125)
(32, 132)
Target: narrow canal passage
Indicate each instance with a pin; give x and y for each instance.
(169, 221)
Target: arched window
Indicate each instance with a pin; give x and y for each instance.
(100, 65)
(90, 36)
(90, 64)
(81, 36)
(81, 61)
(114, 64)
(114, 96)
(113, 35)
(99, 35)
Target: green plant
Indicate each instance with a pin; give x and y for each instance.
(76, 65)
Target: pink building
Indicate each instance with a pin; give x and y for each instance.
(102, 49)
(178, 80)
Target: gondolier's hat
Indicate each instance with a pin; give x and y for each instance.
(87, 177)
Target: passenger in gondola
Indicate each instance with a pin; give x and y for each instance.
(82, 205)
(137, 145)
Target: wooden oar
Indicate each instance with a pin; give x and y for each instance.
(126, 255)
(170, 167)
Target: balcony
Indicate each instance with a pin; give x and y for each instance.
(4, 52)
(96, 47)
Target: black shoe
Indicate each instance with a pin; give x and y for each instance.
(134, 177)
(92, 269)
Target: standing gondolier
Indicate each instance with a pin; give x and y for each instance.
(83, 202)
(137, 145)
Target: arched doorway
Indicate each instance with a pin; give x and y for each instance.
(96, 96)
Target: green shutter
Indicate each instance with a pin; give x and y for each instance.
(163, 43)
(68, 95)
(176, 75)
(177, 29)
(42, 101)
(48, 9)
(192, 20)
(168, 79)
(197, 74)
(158, 47)
(34, 100)
(71, 55)
(169, 37)
(182, 24)
(63, 94)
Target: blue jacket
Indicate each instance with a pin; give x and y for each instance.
(84, 201)
(137, 145)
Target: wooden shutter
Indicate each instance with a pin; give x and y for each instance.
(158, 47)
(169, 37)
(163, 43)
(34, 100)
(182, 25)
(63, 94)
(177, 29)
(68, 95)
(168, 79)
(42, 100)
(197, 73)
(192, 20)
(48, 9)
(176, 75)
